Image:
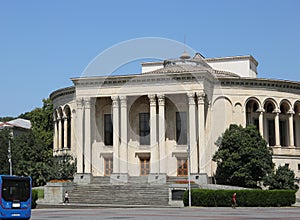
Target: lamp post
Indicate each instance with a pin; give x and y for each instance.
(189, 175)
(9, 158)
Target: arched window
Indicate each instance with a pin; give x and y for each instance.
(251, 113)
(69, 121)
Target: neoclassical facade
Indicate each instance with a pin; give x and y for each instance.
(142, 124)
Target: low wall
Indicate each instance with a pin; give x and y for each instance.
(54, 192)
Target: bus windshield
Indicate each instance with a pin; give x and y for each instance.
(15, 189)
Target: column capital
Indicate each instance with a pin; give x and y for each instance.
(89, 102)
(161, 99)
(201, 96)
(276, 111)
(152, 99)
(291, 112)
(115, 101)
(123, 100)
(191, 97)
(260, 110)
(79, 103)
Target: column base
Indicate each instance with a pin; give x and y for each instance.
(157, 178)
(83, 178)
(119, 178)
(199, 178)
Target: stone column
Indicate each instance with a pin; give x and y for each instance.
(201, 130)
(161, 132)
(55, 147)
(79, 135)
(65, 132)
(60, 138)
(291, 128)
(192, 133)
(124, 141)
(154, 162)
(88, 104)
(116, 145)
(261, 121)
(277, 130)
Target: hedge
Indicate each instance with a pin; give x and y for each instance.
(34, 198)
(247, 198)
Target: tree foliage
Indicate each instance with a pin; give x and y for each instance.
(282, 178)
(32, 153)
(243, 157)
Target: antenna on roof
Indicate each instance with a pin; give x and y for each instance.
(185, 54)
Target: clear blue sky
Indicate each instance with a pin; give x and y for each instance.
(45, 43)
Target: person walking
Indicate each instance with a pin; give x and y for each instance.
(234, 200)
(66, 199)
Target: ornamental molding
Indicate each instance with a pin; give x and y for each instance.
(254, 83)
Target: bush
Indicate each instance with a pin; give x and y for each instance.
(34, 198)
(247, 198)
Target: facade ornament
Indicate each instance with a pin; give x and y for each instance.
(191, 98)
(79, 103)
(201, 96)
(161, 99)
(123, 100)
(276, 111)
(152, 99)
(89, 102)
(115, 101)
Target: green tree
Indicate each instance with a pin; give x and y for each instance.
(243, 157)
(32, 153)
(282, 178)
(4, 139)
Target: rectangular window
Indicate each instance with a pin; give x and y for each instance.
(283, 133)
(182, 167)
(181, 128)
(108, 164)
(145, 166)
(298, 166)
(108, 129)
(271, 132)
(144, 126)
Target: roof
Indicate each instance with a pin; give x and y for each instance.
(19, 123)
(190, 65)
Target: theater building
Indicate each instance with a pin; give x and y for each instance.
(132, 125)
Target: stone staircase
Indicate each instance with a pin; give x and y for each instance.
(137, 192)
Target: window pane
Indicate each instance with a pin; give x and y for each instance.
(181, 128)
(108, 129)
(144, 128)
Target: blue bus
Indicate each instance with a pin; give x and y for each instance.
(15, 197)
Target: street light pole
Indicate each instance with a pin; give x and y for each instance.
(189, 175)
(9, 158)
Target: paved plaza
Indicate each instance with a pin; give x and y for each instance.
(168, 213)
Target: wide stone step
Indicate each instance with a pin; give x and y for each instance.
(129, 194)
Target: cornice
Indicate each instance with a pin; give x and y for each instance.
(62, 92)
(279, 85)
(110, 81)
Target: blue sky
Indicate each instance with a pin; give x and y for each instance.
(45, 43)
